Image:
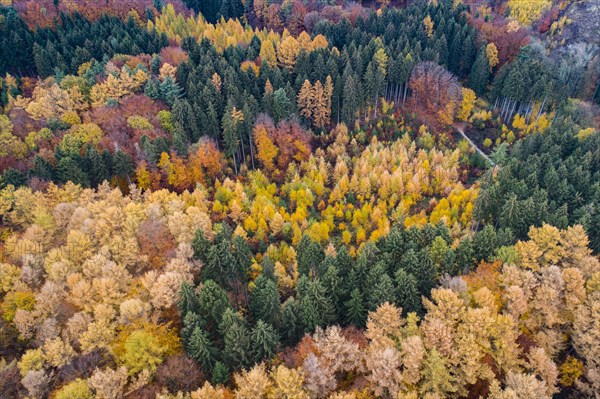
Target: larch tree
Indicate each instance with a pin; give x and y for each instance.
(287, 52)
(306, 99)
(267, 53)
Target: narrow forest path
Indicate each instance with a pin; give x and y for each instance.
(459, 127)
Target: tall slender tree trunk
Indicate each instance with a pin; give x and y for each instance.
(515, 102)
(251, 150)
(243, 153)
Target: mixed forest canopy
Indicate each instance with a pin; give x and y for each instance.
(299, 199)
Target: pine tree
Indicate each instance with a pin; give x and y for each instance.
(230, 124)
(191, 321)
(240, 270)
(371, 82)
(343, 262)
(43, 62)
(13, 177)
(356, 313)
(200, 349)
(265, 301)
(220, 374)
(237, 345)
(264, 341)
(426, 275)
(213, 302)
(282, 106)
(169, 90)
(122, 165)
(231, 9)
(99, 171)
(335, 288)
(351, 99)
(510, 213)
(42, 169)
(410, 262)
(480, 73)
(188, 300)
(464, 256)
(407, 294)
(290, 325)
(69, 170)
(316, 308)
(229, 318)
(484, 243)
(201, 246)
(309, 256)
(381, 288)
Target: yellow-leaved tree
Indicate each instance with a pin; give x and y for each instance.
(467, 104)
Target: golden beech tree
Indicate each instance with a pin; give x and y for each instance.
(467, 104)
(253, 384)
(287, 384)
(267, 151)
(48, 100)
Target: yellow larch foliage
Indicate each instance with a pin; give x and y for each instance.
(319, 42)
(570, 371)
(585, 133)
(267, 53)
(224, 34)
(314, 101)
(527, 12)
(306, 99)
(382, 61)
(250, 66)
(492, 54)
(287, 52)
(116, 87)
(428, 26)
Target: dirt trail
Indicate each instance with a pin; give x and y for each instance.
(460, 129)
